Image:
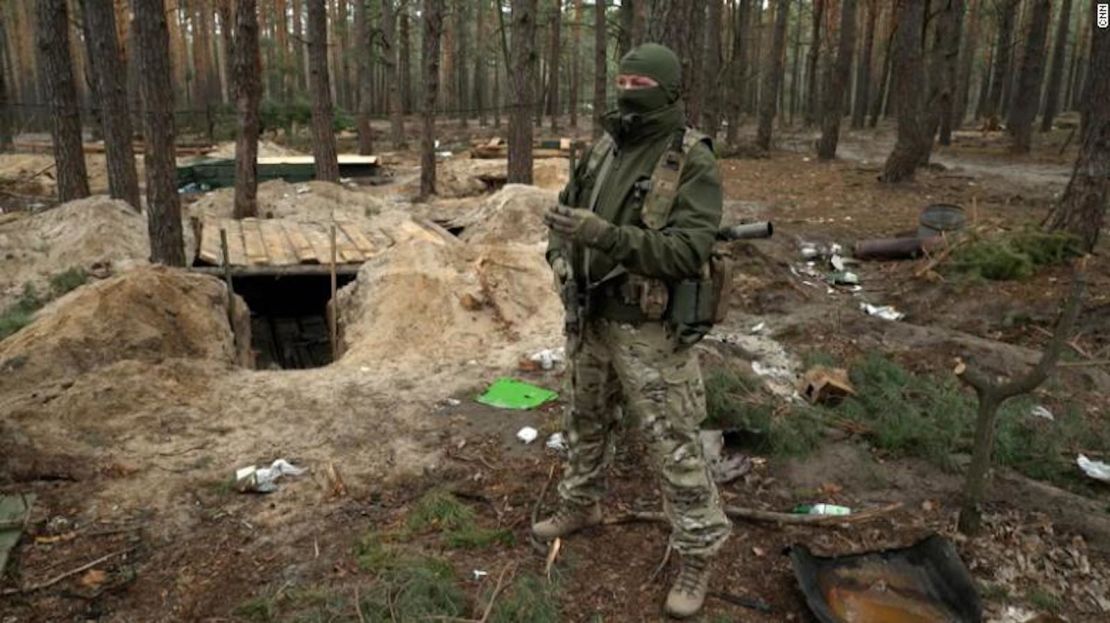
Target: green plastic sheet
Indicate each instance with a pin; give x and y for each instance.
(508, 393)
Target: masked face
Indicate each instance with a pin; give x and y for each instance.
(639, 101)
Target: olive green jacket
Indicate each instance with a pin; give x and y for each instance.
(677, 251)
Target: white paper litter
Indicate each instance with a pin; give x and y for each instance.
(478, 574)
(837, 262)
(548, 357)
(758, 328)
(557, 442)
(1095, 469)
(261, 479)
(527, 434)
(886, 312)
(1041, 411)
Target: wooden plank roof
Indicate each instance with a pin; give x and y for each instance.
(253, 242)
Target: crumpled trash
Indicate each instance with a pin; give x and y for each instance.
(557, 442)
(823, 385)
(723, 467)
(843, 278)
(303, 189)
(527, 434)
(1095, 469)
(758, 328)
(548, 357)
(253, 479)
(478, 574)
(886, 312)
(1042, 411)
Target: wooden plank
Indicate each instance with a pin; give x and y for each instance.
(209, 251)
(318, 237)
(301, 246)
(278, 271)
(277, 244)
(252, 240)
(236, 252)
(359, 239)
(346, 249)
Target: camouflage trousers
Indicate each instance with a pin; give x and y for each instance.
(662, 386)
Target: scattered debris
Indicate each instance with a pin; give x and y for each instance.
(758, 328)
(508, 393)
(14, 512)
(769, 360)
(478, 574)
(527, 434)
(1095, 469)
(252, 479)
(822, 509)
(548, 357)
(1042, 412)
(843, 278)
(724, 467)
(557, 442)
(886, 312)
(924, 582)
(821, 385)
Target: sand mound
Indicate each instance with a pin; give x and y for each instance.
(266, 149)
(437, 303)
(512, 214)
(470, 177)
(311, 201)
(147, 314)
(33, 174)
(96, 234)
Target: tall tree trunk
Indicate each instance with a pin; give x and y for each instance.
(738, 70)
(1006, 12)
(1028, 96)
(966, 61)
(363, 51)
(433, 30)
(639, 22)
(202, 70)
(343, 48)
(163, 205)
(812, 61)
(599, 63)
(1082, 210)
(323, 137)
(462, 64)
(480, 60)
(524, 64)
(795, 75)
(110, 72)
(281, 28)
(772, 74)
(908, 97)
(678, 26)
(755, 50)
(711, 116)
(576, 62)
(839, 82)
(878, 104)
(227, 30)
(406, 60)
(1056, 75)
(553, 107)
(942, 78)
(300, 58)
(389, 52)
(248, 93)
(863, 72)
(447, 79)
(627, 13)
(6, 116)
(56, 67)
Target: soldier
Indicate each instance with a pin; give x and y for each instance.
(630, 248)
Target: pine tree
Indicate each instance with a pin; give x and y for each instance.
(247, 82)
(323, 137)
(839, 82)
(1027, 97)
(772, 75)
(56, 74)
(908, 97)
(523, 77)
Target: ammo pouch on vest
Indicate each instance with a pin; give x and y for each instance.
(698, 304)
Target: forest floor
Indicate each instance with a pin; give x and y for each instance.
(123, 409)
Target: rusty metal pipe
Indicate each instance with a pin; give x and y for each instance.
(896, 248)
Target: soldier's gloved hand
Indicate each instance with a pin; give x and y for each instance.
(580, 225)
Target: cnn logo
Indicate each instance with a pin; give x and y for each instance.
(1103, 17)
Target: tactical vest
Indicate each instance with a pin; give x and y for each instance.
(691, 306)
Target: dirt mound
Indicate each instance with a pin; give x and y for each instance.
(310, 201)
(470, 177)
(512, 214)
(33, 174)
(96, 234)
(428, 302)
(147, 314)
(266, 149)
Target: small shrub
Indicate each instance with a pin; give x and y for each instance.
(372, 553)
(261, 609)
(734, 403)
(440, 509)
(529, 598)
(1014, 255)
(473, 537)
(71, 279)
(20, 313)
(418, 589)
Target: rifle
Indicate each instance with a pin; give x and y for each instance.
(746, 231)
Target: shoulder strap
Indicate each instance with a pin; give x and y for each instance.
(666, 176)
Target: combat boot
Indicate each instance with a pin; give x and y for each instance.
(567, 520)
(688, 592)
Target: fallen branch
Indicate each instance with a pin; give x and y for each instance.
(743, 602)
(536, 545)
(496, 591)
(992, 394)
(358, 607)
(752, 514)
(41, 585)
